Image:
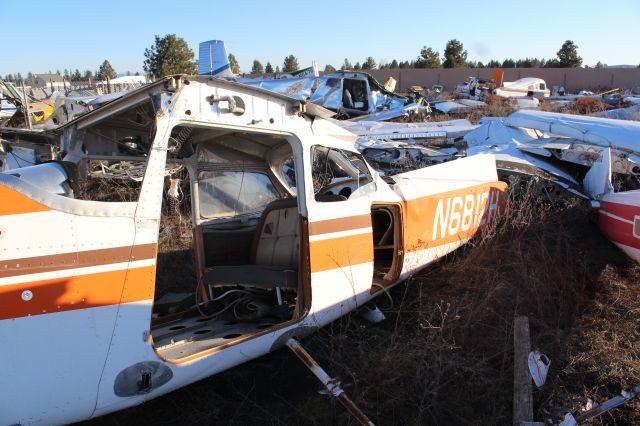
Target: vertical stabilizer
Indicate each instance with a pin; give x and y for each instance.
(213, 59)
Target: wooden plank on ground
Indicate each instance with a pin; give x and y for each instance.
(522, 393)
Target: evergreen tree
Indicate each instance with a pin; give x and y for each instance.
(600, 65)
(393, 64)
(257, 67)
(269, 68)
(552, 63)
(106, 71)
(76, 76)
(508, 63)
(568, 55)
(233, 64)
(346, 65)
(169, 55)
(329, 69)
(290, 64)
(528, 63)
(369, 64)
(428, 58)
(454, 55)
(356, 67)
(88, 75)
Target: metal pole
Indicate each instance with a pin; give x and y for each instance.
(26, 105)
(332, 385)
(590, 415)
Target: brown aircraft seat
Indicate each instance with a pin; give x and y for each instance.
(274, 252)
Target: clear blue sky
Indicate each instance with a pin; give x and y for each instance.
(73, 34)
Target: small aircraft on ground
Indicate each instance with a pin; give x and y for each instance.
(289, 228)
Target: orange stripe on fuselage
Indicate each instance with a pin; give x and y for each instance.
(77, 259)
(348, 223)
(341, 252)
(450, 216)
(430, 222)
(78, 292)
(13, 202)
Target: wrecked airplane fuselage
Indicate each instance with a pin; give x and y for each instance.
(288, 229)
(348, 93)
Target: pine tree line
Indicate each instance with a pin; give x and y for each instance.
(171, 55)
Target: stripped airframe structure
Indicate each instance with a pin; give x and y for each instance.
(609, 146)
(291, 230)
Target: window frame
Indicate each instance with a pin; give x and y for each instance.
(253, 170)
(364, 172)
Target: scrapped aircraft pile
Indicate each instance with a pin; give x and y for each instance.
(50, 110)
(564, 155)
(291, 227)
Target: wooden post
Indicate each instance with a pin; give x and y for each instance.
(522, 393)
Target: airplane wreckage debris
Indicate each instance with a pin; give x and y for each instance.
(267, 173)
(52, 110)
(291, 228)
(556, 151)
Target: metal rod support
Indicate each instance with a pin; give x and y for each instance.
(26, 106)
(332, 384)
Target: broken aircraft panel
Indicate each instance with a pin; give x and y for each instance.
(396, 147)
(605, 148)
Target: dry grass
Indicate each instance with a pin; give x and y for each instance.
(584, 106)
(445, 357)
(176, 267)
(444, 354)
(496, 107)
(580, 106)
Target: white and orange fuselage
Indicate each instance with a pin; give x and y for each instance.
(77, 277)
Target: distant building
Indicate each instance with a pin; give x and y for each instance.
(49, 81)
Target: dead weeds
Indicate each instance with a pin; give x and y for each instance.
(445, 353)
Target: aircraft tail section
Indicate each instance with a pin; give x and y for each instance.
(213, 59)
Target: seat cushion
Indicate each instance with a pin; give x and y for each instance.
(277, 242)
(251, 275)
